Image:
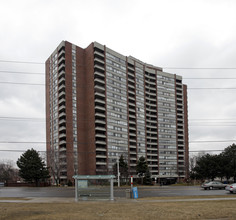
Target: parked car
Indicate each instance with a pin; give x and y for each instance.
(231, 188)
(213, 185)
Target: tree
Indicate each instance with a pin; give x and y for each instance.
(207, 167)
(32, 168)
(229, 155)
(8, 172)
(211, 166)
(54, 166)
(147, 180)
(123, 168)
(142, 169)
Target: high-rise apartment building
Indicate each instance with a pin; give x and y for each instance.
(101, 105)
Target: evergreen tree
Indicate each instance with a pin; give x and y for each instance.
(207, 167)
(32, 168)
(142, 170)
(147, 179)
(212, 166)
(230, 161)
(123, 168)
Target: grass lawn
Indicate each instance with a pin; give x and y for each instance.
(121, 210)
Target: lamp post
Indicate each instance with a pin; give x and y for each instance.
(118, 171)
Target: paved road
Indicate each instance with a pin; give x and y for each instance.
(167, 191)
(69, 192)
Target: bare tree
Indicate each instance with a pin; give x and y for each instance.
(8, 172)
(54, 167)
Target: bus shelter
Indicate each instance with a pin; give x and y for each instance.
(89, 187)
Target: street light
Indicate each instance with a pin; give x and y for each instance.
(118, 171)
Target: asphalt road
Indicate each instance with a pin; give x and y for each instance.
(168, 191)
(69, 192)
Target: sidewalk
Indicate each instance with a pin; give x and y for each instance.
(117, 200)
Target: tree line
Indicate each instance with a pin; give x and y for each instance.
(32, 169)
(221, 165)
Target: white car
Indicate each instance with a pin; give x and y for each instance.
(231, 188)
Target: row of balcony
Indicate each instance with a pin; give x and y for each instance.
(62, 114)
(100, 109)
(61, 110)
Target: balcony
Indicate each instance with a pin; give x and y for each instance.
(63, 114)
(151, 126)
(62, 93)
(151, 98)
(131, 104)
(100, 128)
(100, 108)
(62, 128)
(152, 154)
(101, 149)
(99, 88)
(131, 67)
(99, 74)
(151, 132)
(62, 59)
(97, 114)
(61, 88)
(97, 60)
(62, 121)
(132, 98)
(152, 82)
(98, 53)
(99, 101)
(132, 122)
(149, 105)
(62, 101)
(132, 128)
(131, 117)
(100, 142)
(132, 141)
(131, 110)
(62, 149)
(61, 108)
(99, 135)
(101, 156)
(150, 76)
(61, 74)
(131, 81)
(62, 142)
(130, 85)
(100, 95)
(62, 135)
(100, 163)
(61, 67)
(98, 67)
(61, 81)
(62, 52)
(99, 82)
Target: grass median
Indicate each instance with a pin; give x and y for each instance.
(122, 210)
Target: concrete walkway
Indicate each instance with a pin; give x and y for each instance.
(117, 200)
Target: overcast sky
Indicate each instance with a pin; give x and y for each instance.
(182, 34)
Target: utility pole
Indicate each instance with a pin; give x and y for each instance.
(118, 171)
